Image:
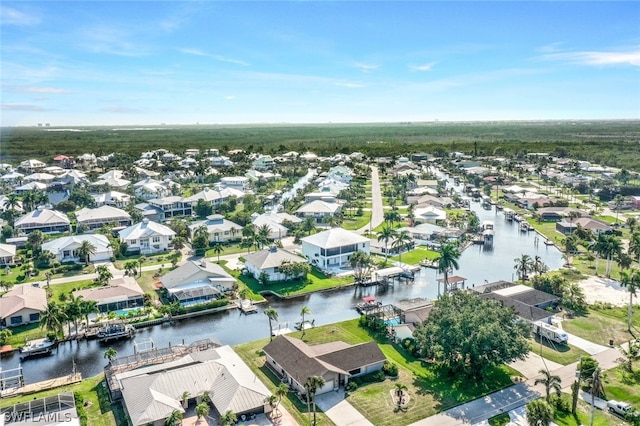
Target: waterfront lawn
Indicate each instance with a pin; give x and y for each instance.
(562, 354)
(55, 290)
(417, 255)
(602, 323)
(100, 410)
(316, 281)
(147, 283)
(22, 333)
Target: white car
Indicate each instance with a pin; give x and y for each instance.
(619, 408)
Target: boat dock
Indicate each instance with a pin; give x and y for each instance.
(246, 307)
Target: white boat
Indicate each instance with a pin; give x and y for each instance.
(37, 347)
(115, 332)
(508, 214)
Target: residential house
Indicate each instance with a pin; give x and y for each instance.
(31, 186)
(336, 362)
(276, 229)
(32, 165)
(596, 226)
(263, 163)
(429, 214)
(219, 229)
(22, 305)
(197, 282)
(237, 182)
(64, 161)
(114, 179)
(150, 394)
(65, 249)
(530, 304)
(121, 293)
(340, 173)
(268, 261)
(556, 214)
(41, 177)
(216, 195)
(172, 206)
(7, 254)
(45, 220)
(319, 210)
(333, 247)
(147, 237)
(149, 188)
(92, 219)
(112, 198)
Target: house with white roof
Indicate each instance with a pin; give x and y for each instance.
(341, 174)
(269, 261)
(22, 305)
(65, 249)
(121, 293)
(171, 206)
(40, 177)
(32, 165)
(237, 182)
(31, 186)
(7, 254)
(112, 198)
(219, 229)
(333, 247)
(262, 163)
(319, 209)
(96, 218)
(147, 237)
(45, 220)
(149, 188)
(216, 195)
(197, 281)
(428, 214)
(151, 394)
(276, 230)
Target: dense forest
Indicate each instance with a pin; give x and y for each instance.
(614, 143)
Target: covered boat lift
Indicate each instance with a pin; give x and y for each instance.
(452, 282)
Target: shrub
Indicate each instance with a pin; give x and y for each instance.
(351, 386)
(390, 369)
(82, 414)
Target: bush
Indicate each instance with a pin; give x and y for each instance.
(351, 386)
(560, 404)
(82, 414)
(390, 369)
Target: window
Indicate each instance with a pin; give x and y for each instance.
(34, 317)
(16, 320)
(353, 372)
(132, 242)
(156, 239)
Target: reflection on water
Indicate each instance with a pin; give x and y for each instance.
(476, 264)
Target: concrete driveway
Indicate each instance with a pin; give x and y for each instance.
(339, 410)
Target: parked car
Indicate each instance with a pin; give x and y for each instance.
(623, 409)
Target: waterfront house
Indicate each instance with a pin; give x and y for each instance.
(556, 214)
(150, 394)
(65, 249)
(171, 206)
(219, 229)
(45, 220)
(336, 362)
(274, 221)
(22, 305)
(269, 261)
(92, 219)
(197, 282)
(319, 210)
(121, 293)
(596, 226)
(7, 254)
(333, 247)
(147, 237)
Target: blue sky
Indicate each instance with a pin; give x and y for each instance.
(107, 62)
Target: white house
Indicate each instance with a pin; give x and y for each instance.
(269, 262)
(197, 282)
(7, 254)
(147, 237)
(44, 220)
(96, 218)
(429, 214)
(112, 198)
(216, 195)
(218, 228)
(333, 247)
(237, 182)
(319, 210)
(66, 248)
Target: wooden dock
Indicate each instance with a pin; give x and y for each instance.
(246, 307)
(44, 385)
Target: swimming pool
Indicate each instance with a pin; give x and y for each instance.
(125, 312)
(393, 321)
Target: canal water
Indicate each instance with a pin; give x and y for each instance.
(232, 327)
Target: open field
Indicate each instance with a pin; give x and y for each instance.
(609, 142)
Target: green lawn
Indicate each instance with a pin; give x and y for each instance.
(601, 324)
(316, 281)
(100, 410)
(226, 249)
(67, 288)
(622, 385)
(562, 354)
(356, 222)
(417, 255)
(149, 260)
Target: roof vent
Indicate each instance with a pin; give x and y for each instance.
(145, 220)
(273, 248)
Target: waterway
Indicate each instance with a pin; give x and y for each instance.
(476, 264)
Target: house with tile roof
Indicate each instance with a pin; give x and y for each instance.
(294, 361)
(22, 305)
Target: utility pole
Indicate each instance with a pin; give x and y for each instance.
(595, 387)
(575, 388)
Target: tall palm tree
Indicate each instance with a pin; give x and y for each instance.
(262, 235)
(272, 314)
(85, 250)
(304, 311)
(313, 384)
(539, 266)
(523, 265)
(217, 249)
(387, 234)
(52, 318)
(403, 239)
(400, 389)
(308, 225)
(141, 260)
(88, 307)
(73, 309)
(272, 400)
(228, 418)
(447, 261)
(612, 248)
(550, 382)
(104, 274)
(634, 246)
(630, 281)
(281, 391)
(539, 413)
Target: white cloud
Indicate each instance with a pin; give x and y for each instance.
(349, 85)
(198, 52)
(39, 90)
(230, 97)
(366, 67)
(22, 107)
(595, 58)
(11, 16)
(423, 67)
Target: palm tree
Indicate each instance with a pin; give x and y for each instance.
(35, 240)
(630, 281)
(631, 354)
(634, 245)
(308, 225)
(202, 410)
(281, 391)
(272, 314)
(402, 240)
(539, 413)
(262, 235)
(110, 354)
(178, 243)
(104, 274)
(400, 389)
(304, 311)
(523, 265)
(85, 250)
(73, 309)
(174, 418)
(313, 384)
(550, 382)
(141, 260)
(272, 400)
(88, 307)
(612, 247)
(539, 266)
(52, 318)
(448, 260)
(228, 418)
(387, 234)
(185, 399)
(217, 249)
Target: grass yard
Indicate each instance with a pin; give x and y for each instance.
(562, 354)
(601, 324)
(149, 260)
(417, 255)
(67, 288)
(100, 410)
(147, 283)
(25, 332)
(356, 222)
(316, 281)
(622, 385)
(226, 249)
